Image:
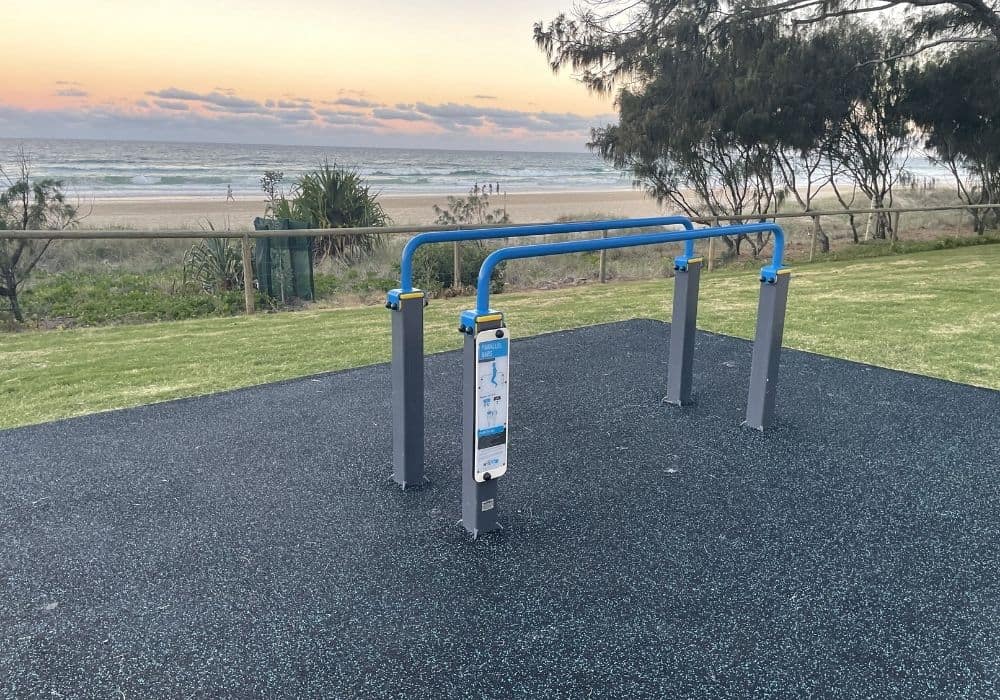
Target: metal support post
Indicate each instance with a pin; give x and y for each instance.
(683, 326)
(407, 310)
(767, 350)
(479, 497)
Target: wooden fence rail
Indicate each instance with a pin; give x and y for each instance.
(246, 236)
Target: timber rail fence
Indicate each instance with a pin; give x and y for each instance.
(246, 236)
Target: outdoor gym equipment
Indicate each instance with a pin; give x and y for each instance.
(485, 375)
(407, 305)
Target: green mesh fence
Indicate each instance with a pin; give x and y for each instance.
(284, 266)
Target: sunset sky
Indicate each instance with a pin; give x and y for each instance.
(434, 73)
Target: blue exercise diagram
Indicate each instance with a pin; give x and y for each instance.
(492, 367)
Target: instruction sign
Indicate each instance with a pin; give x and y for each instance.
(492, 367)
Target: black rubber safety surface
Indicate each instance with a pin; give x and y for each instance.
(249, 543)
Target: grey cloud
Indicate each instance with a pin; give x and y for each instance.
(294, 103)
(174, 94)
(355, 102)
(71, 92)
(403, 114)
(344, 120)
(459, 116)
(171, 114)
(332, 116)
(484, 97)
(215, 99)
(230, 101)
(170, 104)
(295, 115)
(252, 108)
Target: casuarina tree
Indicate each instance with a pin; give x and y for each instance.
(953, 101)
(27, 203)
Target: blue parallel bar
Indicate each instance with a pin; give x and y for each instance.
(767, 274)
(406, 265)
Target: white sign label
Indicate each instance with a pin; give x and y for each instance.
(492, 366)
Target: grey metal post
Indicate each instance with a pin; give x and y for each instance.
(479, 499)
(408, 389)
(767, 351)
(683, 326)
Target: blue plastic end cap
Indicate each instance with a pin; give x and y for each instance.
(681, 263)
(395, 296)
(770, 273)
(468, 318)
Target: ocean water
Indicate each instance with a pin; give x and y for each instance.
(105, 169)
(102, 169)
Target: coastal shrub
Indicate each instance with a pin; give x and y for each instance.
(353, 281)
(334, 197)
(368, 281)
(113, 297)
(434, 267)
(471, 209)
(326, 285)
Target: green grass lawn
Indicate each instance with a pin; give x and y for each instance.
(934, 313)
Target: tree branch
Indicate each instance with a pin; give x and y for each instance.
(921, 49)
(31, 266)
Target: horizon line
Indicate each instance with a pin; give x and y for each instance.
(293, 145)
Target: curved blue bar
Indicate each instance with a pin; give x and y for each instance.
(406, 265)
(768, 273)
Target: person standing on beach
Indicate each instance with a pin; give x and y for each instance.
(229, 194)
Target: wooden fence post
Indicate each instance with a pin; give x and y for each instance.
(456, 262)
(868, 224)
(815, 235)
(602, 269)
(711, 246)
(248, 284)
(895, 226)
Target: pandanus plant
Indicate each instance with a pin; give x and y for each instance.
(216, 264)
(334, 197)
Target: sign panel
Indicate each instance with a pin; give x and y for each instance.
(492, 366)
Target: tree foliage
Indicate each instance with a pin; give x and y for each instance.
(610, 41)
(728, 109)
(472, 209)
(954, 103)
(727, 119)
(28, 204)
(874, 140)
(334, 197)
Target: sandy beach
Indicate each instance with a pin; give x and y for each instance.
(195, 213)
